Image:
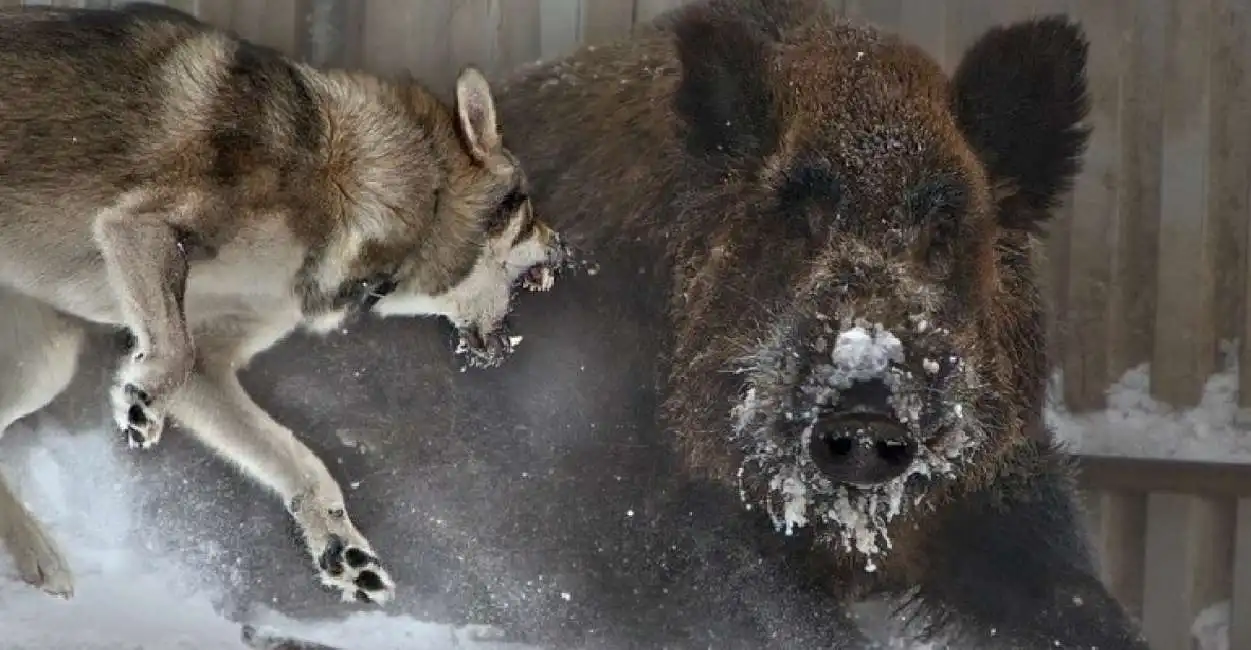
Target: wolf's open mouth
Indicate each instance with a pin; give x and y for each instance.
(540, 277)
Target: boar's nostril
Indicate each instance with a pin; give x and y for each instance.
(859, 450)
(840, 446)
(895, 452)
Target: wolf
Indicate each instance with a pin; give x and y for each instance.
(210, 197)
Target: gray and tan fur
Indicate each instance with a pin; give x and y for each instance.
(212, 196)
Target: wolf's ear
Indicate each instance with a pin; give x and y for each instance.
(1020, 98)
(476, 110)
(724, 98)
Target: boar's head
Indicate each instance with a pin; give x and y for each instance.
(890, 209)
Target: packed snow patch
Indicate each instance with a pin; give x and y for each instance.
(1135, 424)
(1211, 627)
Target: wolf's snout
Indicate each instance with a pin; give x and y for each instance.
(862, 442)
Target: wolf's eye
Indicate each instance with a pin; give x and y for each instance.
(506, 208)
(513, 201)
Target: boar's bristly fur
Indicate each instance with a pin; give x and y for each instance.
(831, 241)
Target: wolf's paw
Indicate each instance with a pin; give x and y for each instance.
(40, 564)
(355, 572)
(137, 413)
(489, 350)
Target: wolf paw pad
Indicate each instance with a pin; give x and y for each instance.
(136, 413)
(355, 572)
(485, 350)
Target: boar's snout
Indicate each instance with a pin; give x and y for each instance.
(863, 453)
(862, 442)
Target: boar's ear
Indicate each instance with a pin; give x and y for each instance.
(1020, 98)
(475, 109)
(724, 99)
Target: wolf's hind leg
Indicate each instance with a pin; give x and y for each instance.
(38, 357)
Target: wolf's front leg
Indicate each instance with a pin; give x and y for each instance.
(39, 559)
(1009, 567)
(216, 409)
(147, 269)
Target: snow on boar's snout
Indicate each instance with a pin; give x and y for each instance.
(866, 391)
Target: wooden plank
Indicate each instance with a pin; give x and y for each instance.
(1093, 232)
(560, 27)
(189, 6)
(924, 22)
(1179, 530)
(1235, 50)
(520, 33)
(429, 48)
(968, 20)
(268, 22)
(1110, 473)
(328, 32)
(646, 10)
(1132, 294)
(1117, 536)
(883, 14)
(404, 37)
(1184, 347)
(1240, 601)
(1055, 241)
(473, 33)
(216, 12)
(1231, 159)
(606, 20)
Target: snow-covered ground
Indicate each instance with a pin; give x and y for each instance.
(129, 597)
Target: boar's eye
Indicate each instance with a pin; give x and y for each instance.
(807, 192)
(936, 208)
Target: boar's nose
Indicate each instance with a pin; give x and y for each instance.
(860, 441)
(861, 450)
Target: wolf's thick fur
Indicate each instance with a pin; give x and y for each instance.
(211, 196)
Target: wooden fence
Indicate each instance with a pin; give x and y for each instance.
(1147, 261)
(1173, 538)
